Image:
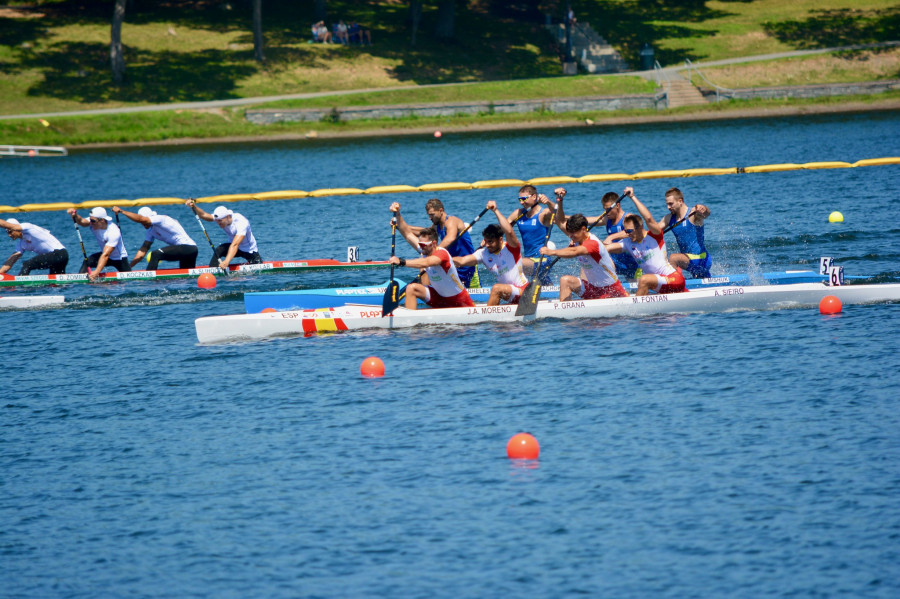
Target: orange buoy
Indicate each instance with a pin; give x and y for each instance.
(372, 367)
(830, 305)
(523, 446)
(206, 281)
(267, 310)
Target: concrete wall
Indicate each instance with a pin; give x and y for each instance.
(351, 113)
(807, 91)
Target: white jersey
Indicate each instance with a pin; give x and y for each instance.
(443, 278)
(111, 236)
(241, 226)
(597, 267)
(37, 239)
(506, 264)
(168, 230)
(650, 254)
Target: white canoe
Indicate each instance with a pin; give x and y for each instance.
(29, 301)
(251, 327)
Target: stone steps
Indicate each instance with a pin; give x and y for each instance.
(590, 50)
(682, 93)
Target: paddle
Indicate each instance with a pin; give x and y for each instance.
(528, 302)
(387, 308)
(392, 293)
(81, 241)
(120, 229)
(214, 249)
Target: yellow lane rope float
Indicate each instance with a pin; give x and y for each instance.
(457, 185)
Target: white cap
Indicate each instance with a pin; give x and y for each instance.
(146, 211)
(221, 212)
(99, 212)
(13, 221)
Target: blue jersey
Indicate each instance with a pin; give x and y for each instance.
(691, 243)
(461, 247)
(533, 233)
(625, 262)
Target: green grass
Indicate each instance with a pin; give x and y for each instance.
(166, 125)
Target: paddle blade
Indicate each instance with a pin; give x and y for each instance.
(391, 298)
(528, 302)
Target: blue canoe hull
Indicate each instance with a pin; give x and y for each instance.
(310, 299)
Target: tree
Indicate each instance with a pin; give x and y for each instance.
(116, 56)
(446, 25)
(415, 17)
(258, 41)
(321, 10)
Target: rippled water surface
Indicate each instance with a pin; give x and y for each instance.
(746, 454)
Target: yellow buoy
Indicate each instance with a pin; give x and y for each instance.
(835, 217)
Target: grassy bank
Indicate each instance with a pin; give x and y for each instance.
(220, 124)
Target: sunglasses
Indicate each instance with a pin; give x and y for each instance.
(425, 246)
(95, 220)
(629, 231)
(523, 198)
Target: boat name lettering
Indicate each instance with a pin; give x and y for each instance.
(293, 264)
(370, 314)
(490, 310)
(730, 291)
(200, 271)
(289, 314)
(79, 277)
(138, 274)
(716, 280)
(568, 305)
(253, 267)
(365, 291)
(641, 299)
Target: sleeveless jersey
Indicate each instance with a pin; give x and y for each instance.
(461, 247)
(37, 239)
(443, 278)
(690, 238)
(533, 234)
(650, 254)
(506, 265)
(168, 230)
(597, 267)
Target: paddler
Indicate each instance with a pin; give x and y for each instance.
(448, 227)
(113, 252)
(533, 222)
(51, 254)
(613, 215)
(502, 259)
(242, 243)
(179, 245)
(598, 278)
(649, 250)
(444, 288)
(689, 234)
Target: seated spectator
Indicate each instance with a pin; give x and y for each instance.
(340, 33)
(321, 33)
(359, 34)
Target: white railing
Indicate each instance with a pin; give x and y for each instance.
(32, 151)
(662, 79)
(720, 91)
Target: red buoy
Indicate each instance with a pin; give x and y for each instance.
(206, 281)
(523, 447)
(830, 305)
(372, 367)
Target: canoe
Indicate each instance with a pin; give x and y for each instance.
(252, 327)
(306, 299)
(29, 301)
(183, 273)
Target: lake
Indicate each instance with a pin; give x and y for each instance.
(744, 454)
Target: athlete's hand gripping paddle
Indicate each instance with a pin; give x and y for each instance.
(200, 222)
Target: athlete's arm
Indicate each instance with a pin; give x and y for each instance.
(652, 226)
(9, 263)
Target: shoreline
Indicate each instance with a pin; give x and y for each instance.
(611, 121)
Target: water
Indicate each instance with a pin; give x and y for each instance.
(746, 455)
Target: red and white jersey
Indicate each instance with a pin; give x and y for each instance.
(597, 267)
(505, 264)
(650, 254)
(443, 278)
